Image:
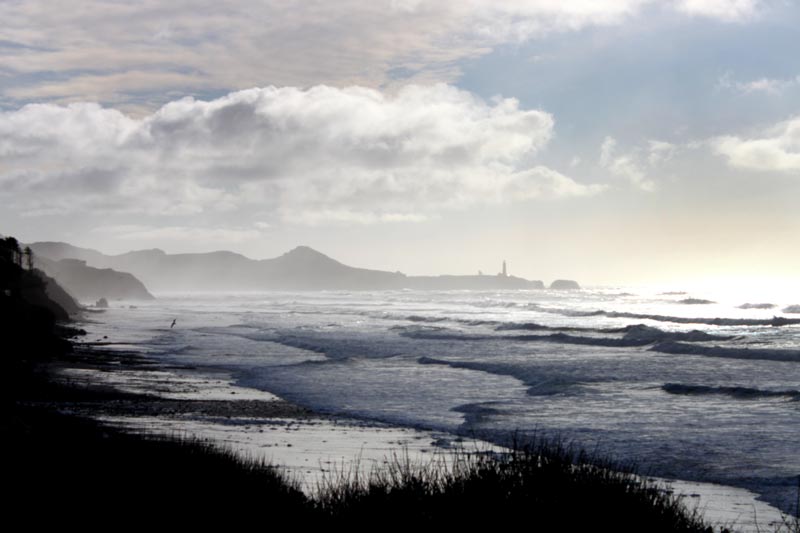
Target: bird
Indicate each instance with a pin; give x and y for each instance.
(173, 323)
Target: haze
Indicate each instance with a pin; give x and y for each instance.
(624, 141)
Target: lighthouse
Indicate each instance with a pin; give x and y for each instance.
(505, 273)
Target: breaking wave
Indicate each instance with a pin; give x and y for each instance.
(682, 348)
(636, 335)
(742, 393)
(716, 321)
(523, 326)
(418, 318)
(437, 333)
(437, 319)
(757, 306)
(642, 332)
(536, 385)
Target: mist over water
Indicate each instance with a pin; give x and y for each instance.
(695, 391)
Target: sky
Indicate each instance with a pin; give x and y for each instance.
(608, 141)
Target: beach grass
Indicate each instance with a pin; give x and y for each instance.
(546, 485)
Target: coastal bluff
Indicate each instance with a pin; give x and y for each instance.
(302, 268)
(88, 283)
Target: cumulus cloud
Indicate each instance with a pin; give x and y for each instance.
(778, 149)
(348, 155)
(635, 164)
(130, 53)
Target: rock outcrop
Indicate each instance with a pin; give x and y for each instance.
(565, 285)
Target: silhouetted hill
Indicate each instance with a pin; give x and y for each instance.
(89, 284)
(471, 283)
(302, 268)
(30, 306)
(60, 297)
(306, 268)
(160, 271)
(56, 251)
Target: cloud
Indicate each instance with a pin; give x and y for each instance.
(626, 167)
(108, 87)
(623, 166)
(180, 234)
(635, 165)
(327, 217)
(125, 52)
(778, 149)
(659, 152)
(772, 86)
(726, 10)
(607, 151)
(353, 154)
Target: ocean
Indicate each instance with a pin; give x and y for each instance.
(698, 387)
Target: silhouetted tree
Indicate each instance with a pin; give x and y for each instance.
(11, 251)
(28, 257)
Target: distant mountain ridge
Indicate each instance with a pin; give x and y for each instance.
(302, 268)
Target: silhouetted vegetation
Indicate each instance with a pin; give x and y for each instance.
(68, 463)
(543, 485)
(29, 331)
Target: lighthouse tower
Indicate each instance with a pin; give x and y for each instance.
(505, 273)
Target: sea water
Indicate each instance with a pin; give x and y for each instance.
(689, 386)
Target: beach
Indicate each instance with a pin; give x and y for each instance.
(184, 402)
(313, 447)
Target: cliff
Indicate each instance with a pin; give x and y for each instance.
(87, 283)
(31, 304)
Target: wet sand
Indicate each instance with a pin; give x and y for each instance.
(180, 401)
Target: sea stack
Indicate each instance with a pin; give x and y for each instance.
(565, 285)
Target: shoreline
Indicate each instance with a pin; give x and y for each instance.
(185, 402)
(311, 448)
